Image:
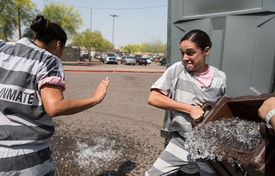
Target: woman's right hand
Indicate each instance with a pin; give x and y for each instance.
(267, 106)
(196, 112)
(101, 90)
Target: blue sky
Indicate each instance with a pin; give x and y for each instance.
(138, 21)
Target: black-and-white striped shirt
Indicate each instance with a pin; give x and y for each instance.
(24, 68)
(177, 83)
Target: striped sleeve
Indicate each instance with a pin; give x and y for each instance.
(52, 73)
(167, 80)
(222, 76)
(163, 83)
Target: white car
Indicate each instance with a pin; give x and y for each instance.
(84, 54)
(149, 61)
(128, 60)
(110, 58)
(118, 58)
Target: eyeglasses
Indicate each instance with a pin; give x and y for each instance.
(188, 52)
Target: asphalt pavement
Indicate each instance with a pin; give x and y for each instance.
(128, 128)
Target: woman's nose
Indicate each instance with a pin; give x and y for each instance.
(185, 57)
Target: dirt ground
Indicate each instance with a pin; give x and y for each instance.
(119, 137)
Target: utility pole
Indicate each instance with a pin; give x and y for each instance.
(91, 20)
(113, 34)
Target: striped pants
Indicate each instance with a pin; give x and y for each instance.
(26, 160)
(173, 158)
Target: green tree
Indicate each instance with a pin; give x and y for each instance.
(24, 12)
(67, 17)
(96, 39)
(27, 31)
(131, 48)
(154, 47)
(89, 40)
(7, 21)
(106, 45)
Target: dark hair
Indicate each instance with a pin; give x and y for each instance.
(45, 31)
(199, 37)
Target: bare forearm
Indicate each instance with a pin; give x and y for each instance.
(55, 104)
(157, 99)
(67, 106)
(161, 101)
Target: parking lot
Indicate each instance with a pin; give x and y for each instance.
(120, 136)
(98, 66)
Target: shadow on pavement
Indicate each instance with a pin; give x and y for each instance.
(123, 169)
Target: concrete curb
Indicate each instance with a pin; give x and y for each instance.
(90, 67)
(81, 63)
(113, 71)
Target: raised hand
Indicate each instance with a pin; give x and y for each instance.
(101, 90)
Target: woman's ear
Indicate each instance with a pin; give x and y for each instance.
(207, 50)
(58, 48)
(59, 44)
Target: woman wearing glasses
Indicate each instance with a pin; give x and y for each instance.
(184, 88)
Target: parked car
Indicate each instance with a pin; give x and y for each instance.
(110, 58)
(149, 61)
(141, 61)
(84, 55)
(118, 57)
(163, 61)
(99, 57)
(156, 58)
(128, 60)
(137, 56)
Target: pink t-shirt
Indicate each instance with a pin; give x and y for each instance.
(203, 79)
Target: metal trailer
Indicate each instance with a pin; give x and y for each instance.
(243, 37)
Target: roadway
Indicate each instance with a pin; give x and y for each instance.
(128, 128)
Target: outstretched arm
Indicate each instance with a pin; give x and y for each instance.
(157, 99)
(55, 104)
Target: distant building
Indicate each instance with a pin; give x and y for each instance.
(71, 53)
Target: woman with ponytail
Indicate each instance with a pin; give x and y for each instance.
(31, 93)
